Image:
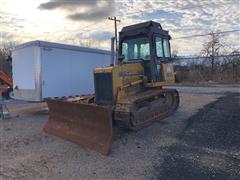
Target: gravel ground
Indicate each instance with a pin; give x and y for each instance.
(200, 141)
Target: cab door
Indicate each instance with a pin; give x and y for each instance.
(162, 54)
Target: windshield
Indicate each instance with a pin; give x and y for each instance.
(137, 48)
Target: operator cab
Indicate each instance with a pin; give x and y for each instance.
(148, 44)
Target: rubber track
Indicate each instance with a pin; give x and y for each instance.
(124, 110)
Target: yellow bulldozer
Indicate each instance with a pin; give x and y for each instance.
(130, 94)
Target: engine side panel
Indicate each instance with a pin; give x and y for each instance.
(110, 81)
(103, 88)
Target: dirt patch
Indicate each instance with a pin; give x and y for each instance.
(208, 147)
(24, 141)
(26, 152)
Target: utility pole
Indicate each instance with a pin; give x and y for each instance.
(116, 38)
(213, 53)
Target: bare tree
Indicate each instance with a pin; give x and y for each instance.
(174, 53)
(6, 57)
(211, 49)
(89, 43)
(234, 60)
(6, 49)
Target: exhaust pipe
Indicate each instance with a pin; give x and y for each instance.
(112, 51)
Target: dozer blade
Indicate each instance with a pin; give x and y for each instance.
(84, 124)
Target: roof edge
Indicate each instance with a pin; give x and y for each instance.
(48, 44)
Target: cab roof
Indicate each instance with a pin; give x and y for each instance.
(148, 27)
(142, 25)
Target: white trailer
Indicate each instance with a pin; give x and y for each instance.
(44, 70)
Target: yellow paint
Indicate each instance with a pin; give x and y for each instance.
(123, 75)
(132, 75)
(166, 78)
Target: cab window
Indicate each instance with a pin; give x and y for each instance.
(159, 47)
(138, 48)
(162, 47)
(166, 48)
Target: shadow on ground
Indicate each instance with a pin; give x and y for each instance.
(208, 147)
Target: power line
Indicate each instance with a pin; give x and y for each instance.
(207, 34)
(181, 8)
(154, 9)
(84, 28)
(92, 24)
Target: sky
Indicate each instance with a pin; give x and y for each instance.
(84, 22)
